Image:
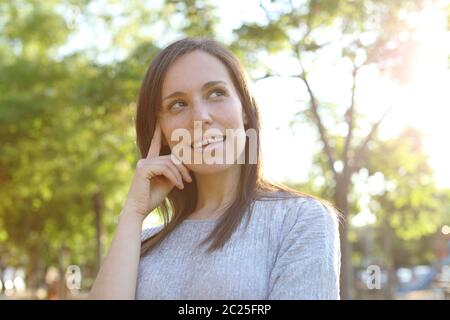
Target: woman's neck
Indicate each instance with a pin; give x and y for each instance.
(215, 192)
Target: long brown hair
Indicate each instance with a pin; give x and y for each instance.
(180, 203)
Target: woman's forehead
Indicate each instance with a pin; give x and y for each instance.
(192, 70)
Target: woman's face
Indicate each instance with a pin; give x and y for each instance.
(198, 91)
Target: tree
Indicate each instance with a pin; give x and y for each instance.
(366, 33)
(407, 205)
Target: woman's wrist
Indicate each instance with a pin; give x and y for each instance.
(131, 215)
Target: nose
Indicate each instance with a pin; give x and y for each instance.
(201, 113)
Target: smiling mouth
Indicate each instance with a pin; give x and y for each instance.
(207, 141)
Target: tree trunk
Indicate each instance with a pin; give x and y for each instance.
(97, 203)
(32, 273)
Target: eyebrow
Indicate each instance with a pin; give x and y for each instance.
(205, 86)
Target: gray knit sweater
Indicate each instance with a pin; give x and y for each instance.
(290, 250)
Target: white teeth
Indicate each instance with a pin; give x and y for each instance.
(207, 141)
(215, 139)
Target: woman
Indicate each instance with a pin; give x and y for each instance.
(227, 232)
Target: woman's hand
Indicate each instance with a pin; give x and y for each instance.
(155, 176)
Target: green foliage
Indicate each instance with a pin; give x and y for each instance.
(410, 207)
(67, 125)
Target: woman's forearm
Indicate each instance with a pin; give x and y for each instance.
(118, 273)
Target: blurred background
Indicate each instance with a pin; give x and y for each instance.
(355, 104)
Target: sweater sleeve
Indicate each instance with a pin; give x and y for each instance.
(308, 261)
